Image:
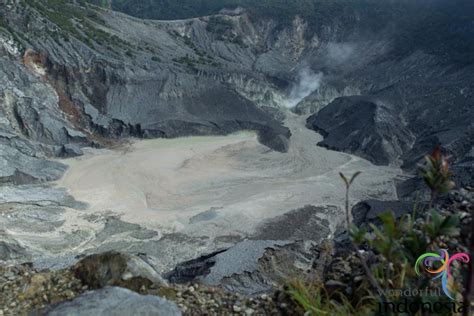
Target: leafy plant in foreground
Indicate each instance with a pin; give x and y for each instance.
(353, 230)
(315, 300)
(396, 243)
(436, 174)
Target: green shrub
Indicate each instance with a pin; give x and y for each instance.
(315, 300)
(436, 174)
(396, 244)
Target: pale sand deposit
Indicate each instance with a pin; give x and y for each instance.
(219, 185)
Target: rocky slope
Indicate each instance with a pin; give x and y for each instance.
(118, 76)
(110, 75)
(416, 91)
(365, 127)
(75, 75)
(110, 284)
(413, 57)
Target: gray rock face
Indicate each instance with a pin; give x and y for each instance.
(157, 79)
(37, 195)
(36, 210)
(426, 103)
(364, 126)
(30, 107)
(283, 248)
(19, 167)
(114, 301)
(238, 259)
(254, 267)
(302, 224)
(124, 76)
(212, 269)
(277, 264)
(32, 127)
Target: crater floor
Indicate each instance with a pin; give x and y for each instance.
(200, 194)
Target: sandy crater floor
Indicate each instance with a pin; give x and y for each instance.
(218, 185)
(177, 199)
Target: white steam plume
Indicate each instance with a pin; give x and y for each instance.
(308, 81)
(339, 53)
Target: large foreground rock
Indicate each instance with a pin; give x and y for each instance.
(113, 268)
(114, 301)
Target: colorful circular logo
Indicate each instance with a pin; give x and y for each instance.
(444, 272)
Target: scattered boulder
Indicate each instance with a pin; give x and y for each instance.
(36, 285)
(24, 289)
(69, 150)
(117, 269)
(114, 301)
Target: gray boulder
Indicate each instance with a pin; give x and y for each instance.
(113, 268)
(114, 301)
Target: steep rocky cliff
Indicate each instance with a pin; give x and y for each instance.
(384, 80)
(111, 75)
(376, 82)
(416, 88)
(118, 76)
